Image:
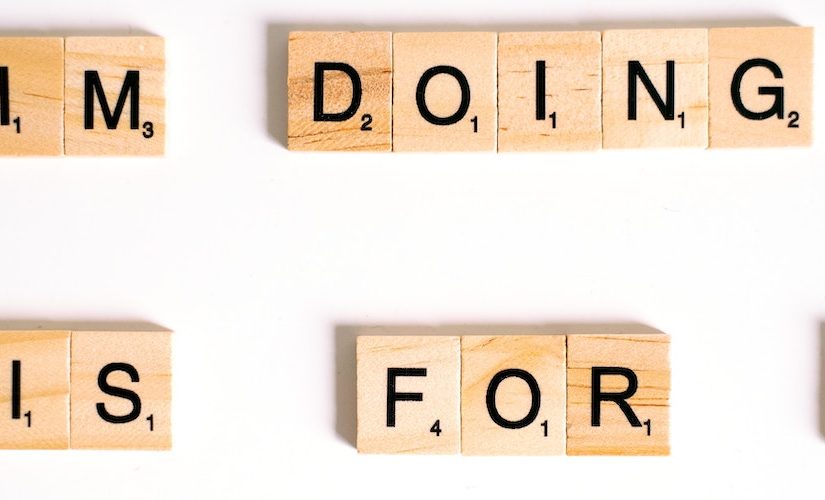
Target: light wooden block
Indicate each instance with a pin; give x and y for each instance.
(646, 356)
(34, 390)
(684, 121)
(785, 51)
(131, 68)
(31, 96)
(429, 72)
(111, 372)
(513, 395)
(338, 117)
(425, 372)
(549, 91)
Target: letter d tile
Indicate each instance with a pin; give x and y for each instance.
(339, 91)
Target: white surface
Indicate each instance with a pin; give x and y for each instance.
(256, 257)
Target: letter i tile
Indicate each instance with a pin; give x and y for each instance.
(34, 389)
(549, 91)
(31, 96)
(408, 394)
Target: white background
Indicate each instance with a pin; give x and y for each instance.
(266, 263)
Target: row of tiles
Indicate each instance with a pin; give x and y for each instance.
(720, 87)
(98, 390)
(82, 96)
(514, 395)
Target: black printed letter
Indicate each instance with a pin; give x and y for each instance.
(541, 77)
(421, 90)
(5, 118)
(778, 107)
(666, 107)
(131, 87)
(617, 397)
(392, 396)
(118, 392)
(318, 108)
(535, 402)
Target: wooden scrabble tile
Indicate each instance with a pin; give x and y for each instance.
(655, 88)
(513, 395)
(34, 390)
(121, 390)
(115, 96)
(761, 82)
(408, 394)
(549, 91)
(31, 96)
(444, 92)
(340, 91)
(618, 391)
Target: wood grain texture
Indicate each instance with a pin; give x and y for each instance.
(44, 390)
(112, 57)
(648, 357)
(474, 54)
(572, 91)
(791, 49)
(483, 358)
(439, 388)
(34, 75)
(150, 355)
(370, 54)
(688, 48)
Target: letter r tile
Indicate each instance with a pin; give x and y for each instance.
(618, 392)
(408, 394)
(340, 91)
(114, 96)
(513, 395)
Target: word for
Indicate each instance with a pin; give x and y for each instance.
(544, 91)
(101, 390)
(514, 395)
(73, 96)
